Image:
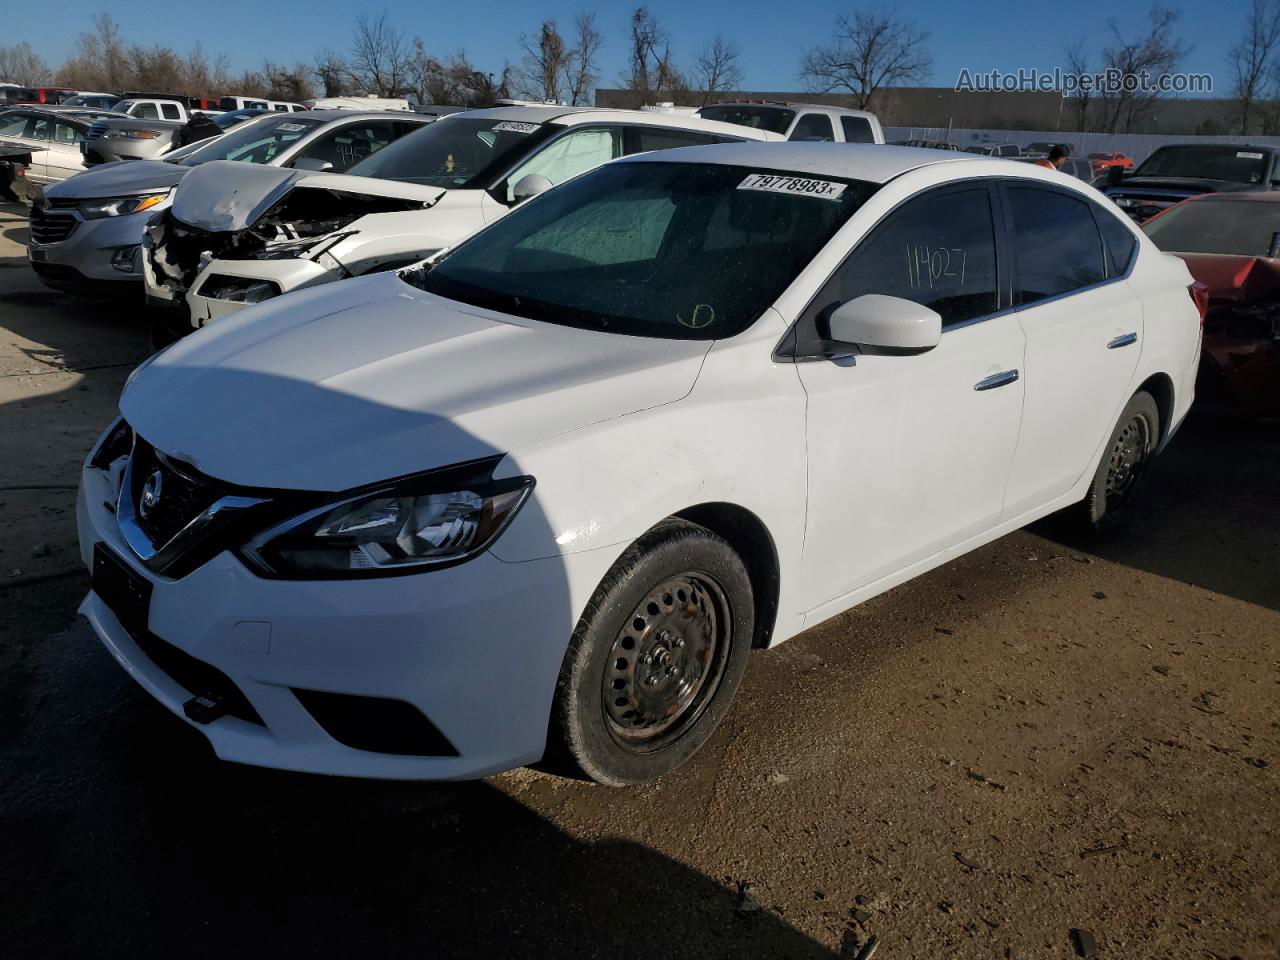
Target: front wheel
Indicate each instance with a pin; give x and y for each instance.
(655, 659)
(1109, 501)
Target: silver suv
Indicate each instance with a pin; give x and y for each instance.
(85, 232)
(800, 121)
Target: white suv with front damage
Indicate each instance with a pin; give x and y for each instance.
(236, 236)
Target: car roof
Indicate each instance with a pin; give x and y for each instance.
(792, 105)
(871, 162)
(328, 116)
(569, 116)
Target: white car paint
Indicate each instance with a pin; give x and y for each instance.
(865, 471)
(218, 198)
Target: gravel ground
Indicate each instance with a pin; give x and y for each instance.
(1048, 735)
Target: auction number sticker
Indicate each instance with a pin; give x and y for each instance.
(800, 186)
(515, 126)
(293, 127)
(1245, 155)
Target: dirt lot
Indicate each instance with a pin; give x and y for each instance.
(1044, 736)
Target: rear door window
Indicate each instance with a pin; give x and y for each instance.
(645, 139)
(170, 111)
(145, 111)
(857, 130)
(813, 126)
(1057, 246)
(67, 133)
(1118, 239)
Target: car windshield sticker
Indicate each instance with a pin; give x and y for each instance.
(514, 126)
(1244, 155)
(293, 127)
(772, 183)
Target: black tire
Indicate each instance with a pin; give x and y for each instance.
(1109, 503)
(700, 590)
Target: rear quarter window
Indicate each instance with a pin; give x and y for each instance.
(857, 130)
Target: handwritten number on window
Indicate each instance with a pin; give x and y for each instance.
(929, 267)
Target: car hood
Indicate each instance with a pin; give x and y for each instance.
(225, 195)
(120, 180)
(1186, 185)
(349, 384)
(1234, 278)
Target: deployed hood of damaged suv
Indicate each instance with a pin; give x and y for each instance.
(224, 195)
(355, 383)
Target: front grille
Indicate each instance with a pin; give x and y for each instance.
(376, 724)
(198, 678)
(50, 227)
(96, 131)
(176, 497)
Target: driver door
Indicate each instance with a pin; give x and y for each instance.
(909, 455)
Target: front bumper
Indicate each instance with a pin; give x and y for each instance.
(83, 262)
(286, 274)
(475, 648)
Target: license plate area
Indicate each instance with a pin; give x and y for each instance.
(127, 594)
(39, 256)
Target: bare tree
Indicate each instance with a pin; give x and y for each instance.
(20, 64)
(287, 83)
(651, 67)
(583, 69)
(380, 56)
(1253, 57)
(715, 68)
(331, 72)
(547, 59)
(1080, 99)
(1155, 52)
(871, 50)
(101, 60)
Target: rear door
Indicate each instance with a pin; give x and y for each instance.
(64, 157)
(1084, 329)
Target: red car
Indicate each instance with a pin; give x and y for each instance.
(1231, 244)
(1102, 161)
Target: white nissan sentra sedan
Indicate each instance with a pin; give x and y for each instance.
(541, 497)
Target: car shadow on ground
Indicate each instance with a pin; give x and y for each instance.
(1209, 512)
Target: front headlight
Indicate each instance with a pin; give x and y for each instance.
(398, 529)
(119, 206)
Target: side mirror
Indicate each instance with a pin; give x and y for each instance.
(312, 163)
(888, 326)
(1114, 175)
(529, 186)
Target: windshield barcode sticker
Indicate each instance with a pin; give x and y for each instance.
(1245, 155)
(514, 126)
(772, 183)
(293, 127)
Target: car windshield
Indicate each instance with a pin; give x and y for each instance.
(257, 141)
(1217, 226)
(773, 119)
(1236, 164)
(454, 152)
(679, 251)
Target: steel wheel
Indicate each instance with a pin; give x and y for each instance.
(1129, 454)
(667, 661)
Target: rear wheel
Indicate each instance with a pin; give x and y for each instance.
(656, 658)
(1109, 501)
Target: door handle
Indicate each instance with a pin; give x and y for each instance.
(1002, 379)
(1122, 341)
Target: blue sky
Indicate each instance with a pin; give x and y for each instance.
(976, 34)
